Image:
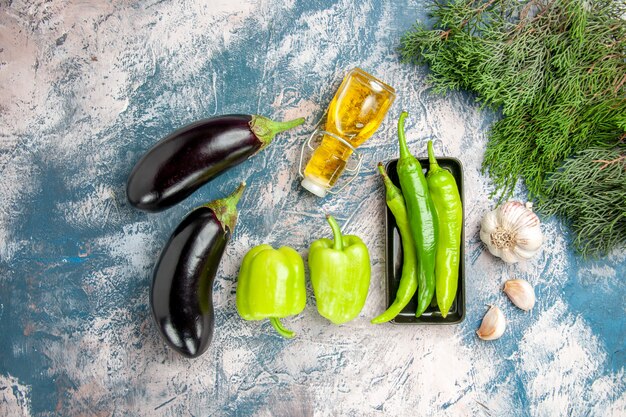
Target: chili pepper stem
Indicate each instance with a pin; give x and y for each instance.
(266, 129)
(338, 239)
(381, 169)
(287, 334)
(404, 148)
(434, 166)
(225, 209)
(391, 191)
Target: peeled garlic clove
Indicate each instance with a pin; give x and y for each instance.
(493, 324)
(521, 293)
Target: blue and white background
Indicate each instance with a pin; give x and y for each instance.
(87, 86)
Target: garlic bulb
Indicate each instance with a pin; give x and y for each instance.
(521, 293)
(512, 232)
(493, 324)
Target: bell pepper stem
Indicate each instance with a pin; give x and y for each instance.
(404, 148)
(338, 239)
(287, 334)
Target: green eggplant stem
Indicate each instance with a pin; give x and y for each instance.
(338, 239)
(266, 129)
(404, 148)
(287, 334)
(225, 209)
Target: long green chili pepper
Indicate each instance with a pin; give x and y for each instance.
(422, 218)
(445, 194)
(408, 280)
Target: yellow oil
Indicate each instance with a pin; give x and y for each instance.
(354, 114)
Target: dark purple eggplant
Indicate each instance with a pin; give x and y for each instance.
(188, 158)
(182, 285)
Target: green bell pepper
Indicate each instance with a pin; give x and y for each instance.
(271, 285)
(340, 274)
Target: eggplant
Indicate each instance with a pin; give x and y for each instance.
(182, 284)
(188, 158)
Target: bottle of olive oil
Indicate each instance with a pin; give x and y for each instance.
(354, 114)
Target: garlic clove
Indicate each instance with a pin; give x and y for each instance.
(521, 293)
(512, 215)
(509, 256)
(493, 324)
(530, 238)
(522, 253)
(517, 216)
(489, 221)
(488, 224)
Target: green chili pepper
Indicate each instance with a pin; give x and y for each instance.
(408, 280)
(422, 218)
(271, 285)
(445, 195)
(340, 274)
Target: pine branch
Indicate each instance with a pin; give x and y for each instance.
(589, 191)
(557, 71)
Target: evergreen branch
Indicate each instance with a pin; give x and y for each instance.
(611, 162)
(557, 70)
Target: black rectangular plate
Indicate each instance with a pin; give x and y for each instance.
(393, 255)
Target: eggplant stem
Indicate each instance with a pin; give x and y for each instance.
(266, 129)
(225, 209)
(287, 334)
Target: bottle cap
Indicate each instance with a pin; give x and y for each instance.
(314, 186)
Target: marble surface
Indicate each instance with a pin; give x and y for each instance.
(86, 87)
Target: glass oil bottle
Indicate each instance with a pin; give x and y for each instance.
(354, 114)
